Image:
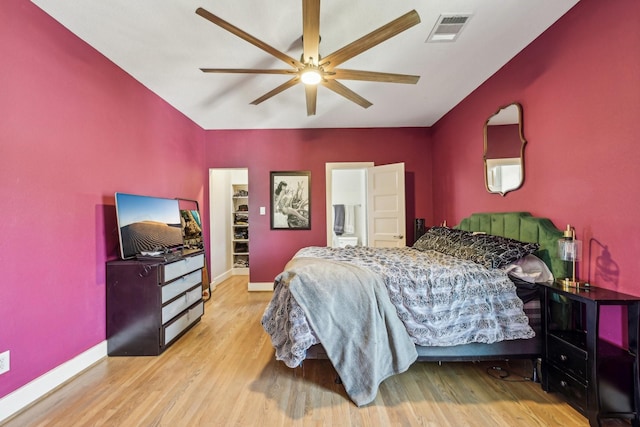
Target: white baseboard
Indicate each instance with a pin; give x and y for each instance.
(29, 393)
(260, 286)
(221, 278)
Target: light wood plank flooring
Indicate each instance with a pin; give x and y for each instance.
(223, 373)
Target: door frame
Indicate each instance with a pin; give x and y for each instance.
(329, 167)
(220, 180)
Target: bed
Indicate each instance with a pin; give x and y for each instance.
(451, 297)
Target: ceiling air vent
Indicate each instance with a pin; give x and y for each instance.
(448, 27)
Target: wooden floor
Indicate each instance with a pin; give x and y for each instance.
(223, 373)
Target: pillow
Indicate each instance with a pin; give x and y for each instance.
(485, 249)
(437, 238)
(530, 269)
(495, 251)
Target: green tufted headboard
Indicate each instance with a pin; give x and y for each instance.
(524, 227)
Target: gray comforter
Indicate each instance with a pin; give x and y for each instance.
(350, 310)
(441, 300)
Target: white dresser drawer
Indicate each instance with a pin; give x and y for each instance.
(182, 267)
(174, 308)
(180, 285)
(183, 322)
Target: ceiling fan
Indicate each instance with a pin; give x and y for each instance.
(312, 69)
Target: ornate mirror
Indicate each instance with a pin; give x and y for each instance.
(504, 150)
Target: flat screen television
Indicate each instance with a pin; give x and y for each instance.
(147, 224)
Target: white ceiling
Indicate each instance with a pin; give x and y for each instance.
(163, 44)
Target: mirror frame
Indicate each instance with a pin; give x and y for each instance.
(523, 142)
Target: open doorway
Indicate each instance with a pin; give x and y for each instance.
(229, 222)
(346, 185)
(374, 198)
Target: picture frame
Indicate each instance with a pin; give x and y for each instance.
(191, 222)
(290, 200)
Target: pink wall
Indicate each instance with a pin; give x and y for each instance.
(262, 151)
(74, 129)
(579, 84)
(504, 141)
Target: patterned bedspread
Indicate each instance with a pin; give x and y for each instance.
(441, 300)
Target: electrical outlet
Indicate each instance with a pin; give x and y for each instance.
(4, 362)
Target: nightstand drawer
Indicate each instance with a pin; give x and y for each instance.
(566, 357)
(573, 390)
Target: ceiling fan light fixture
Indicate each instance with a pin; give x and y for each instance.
(310, 75)
(310, 69)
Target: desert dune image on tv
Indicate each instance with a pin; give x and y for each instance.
(147, 224)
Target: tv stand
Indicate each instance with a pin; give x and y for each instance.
(151, 303)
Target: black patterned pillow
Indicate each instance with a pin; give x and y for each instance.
(495, 251)
(441, 239)
(485, 249)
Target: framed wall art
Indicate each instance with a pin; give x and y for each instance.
(290, 200)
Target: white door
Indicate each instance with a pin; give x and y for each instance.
(386, 206)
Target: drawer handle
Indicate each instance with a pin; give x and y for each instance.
(563, 384)
(563, 358)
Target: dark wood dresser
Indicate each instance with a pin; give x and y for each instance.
(151, 303)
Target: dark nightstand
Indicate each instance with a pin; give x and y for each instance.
(598, 379)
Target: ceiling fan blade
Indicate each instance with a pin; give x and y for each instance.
(311, 92)
(341, 89)
(371, 76)
(286, 85)
(246, 71)
(248, 37)
(372, 39)
(310, 31)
